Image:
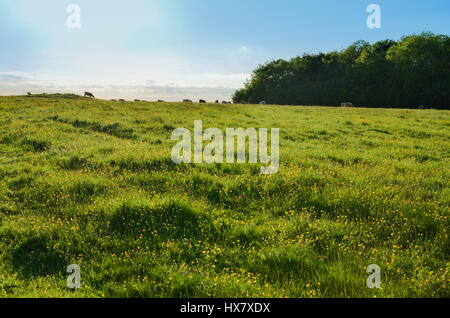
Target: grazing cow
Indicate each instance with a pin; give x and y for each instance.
(137, 100)
(202, 101)
(29, 94)
(224, 102)
(121, 100)
(187, 101)
(263, 102)
(90, 95)
(161, 101)
(114, 100)
(347, 104)
(217, 101)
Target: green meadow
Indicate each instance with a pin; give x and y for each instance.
(92, 183)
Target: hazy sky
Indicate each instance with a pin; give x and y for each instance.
(174, 49)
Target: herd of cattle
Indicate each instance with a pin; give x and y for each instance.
(201, 101)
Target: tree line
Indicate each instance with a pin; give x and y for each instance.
(411, 73)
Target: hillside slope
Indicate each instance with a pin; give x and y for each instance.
(91, 183)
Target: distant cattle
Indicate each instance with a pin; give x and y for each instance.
(121, 100)
(29, 94)
(90, 95)
(114, 100)
(137, 100)
(187, 101)
(161, 101)
(217, 101)
(347, 104)
(263, 102)
(202, 101)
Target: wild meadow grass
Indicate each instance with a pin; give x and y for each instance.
(91, 182)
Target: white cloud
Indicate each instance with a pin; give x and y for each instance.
(210, 86)
(128, 75)
(16, 76)
(244, 49)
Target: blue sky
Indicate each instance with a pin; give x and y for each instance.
(174, 49)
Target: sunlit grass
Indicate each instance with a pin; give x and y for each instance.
(91, 182)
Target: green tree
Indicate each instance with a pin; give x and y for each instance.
(412, 72)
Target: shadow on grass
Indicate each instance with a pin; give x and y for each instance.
(33, 258)
(170, 219)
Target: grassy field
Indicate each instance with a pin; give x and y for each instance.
(91, 182)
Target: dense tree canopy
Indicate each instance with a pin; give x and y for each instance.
(410, 73)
